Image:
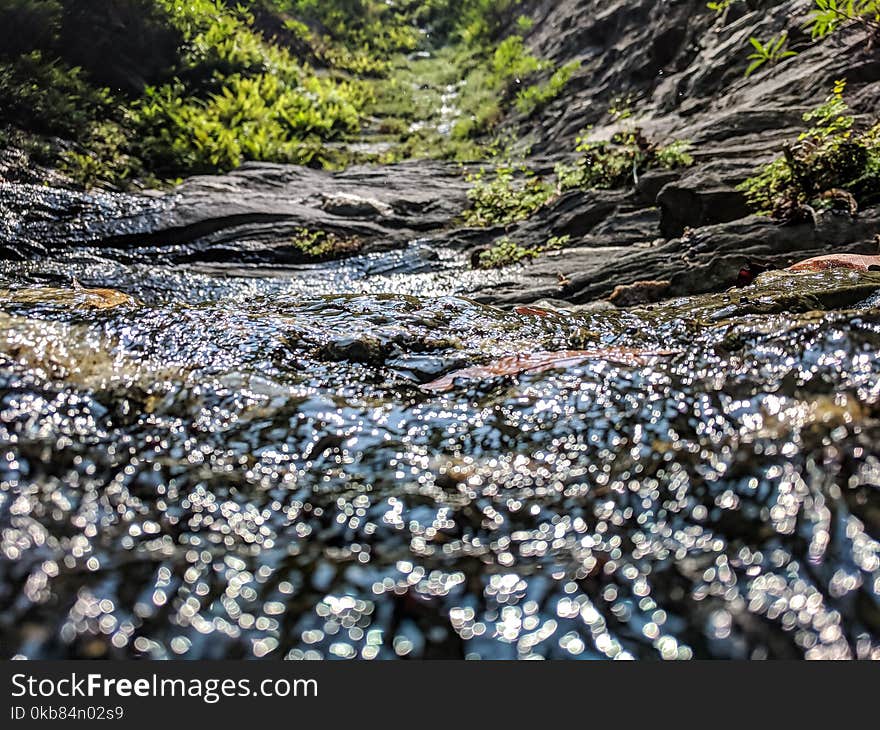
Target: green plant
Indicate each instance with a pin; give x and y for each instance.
(258, 118)
(620, 161)
(524, 23)
(830, 155)
(491, 85)
(672, 156)
(511, 60)
(505, 252)
(479, 21)
(774, 51)
(830, 15)
(205, 85)
(621, 107)
(721, 5)
(48, 96)
(323, 244)
(230, 94)
(515, 192)
(538, 95)
(101, 157)
(511, 195)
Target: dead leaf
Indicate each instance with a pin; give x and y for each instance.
(854, 261)
(540, 361)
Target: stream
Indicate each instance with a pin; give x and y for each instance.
(223, 461)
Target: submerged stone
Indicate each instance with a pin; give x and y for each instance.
(73, 297)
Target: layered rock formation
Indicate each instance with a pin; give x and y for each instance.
(682, 68)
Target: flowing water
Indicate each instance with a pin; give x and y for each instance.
(222, 463)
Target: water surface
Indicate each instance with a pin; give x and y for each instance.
(241, 462)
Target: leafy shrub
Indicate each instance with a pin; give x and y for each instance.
(619, 162)
(524, 23)
(830, 155)
(231, 95)
(101, 158)
(362, 36)
(514, 193)
(536, 96)
(510, 195)
(480, 21)
(830, 15)
(323, 244)
(49, 97)
(489, 87)
(511, 60)
(204, 85)
(221, 41)
(506, 253)
(259, 118)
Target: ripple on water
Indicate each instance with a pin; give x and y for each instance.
(247, 466)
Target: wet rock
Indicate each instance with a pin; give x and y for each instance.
(73, 297)
(652, 182)
(640, 292)
(707, 259)
(564, 307)
(424, 368)
(362, 349)
(782, 292)
(261, 203)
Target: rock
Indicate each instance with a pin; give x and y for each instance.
(423, 368)
(640, 292)
(355, 206)
(74, 297)
(260, 203)
(563, 307)
(652, 182)
(698, 199)
(708, 259)
(683, 66)
(363, 349)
